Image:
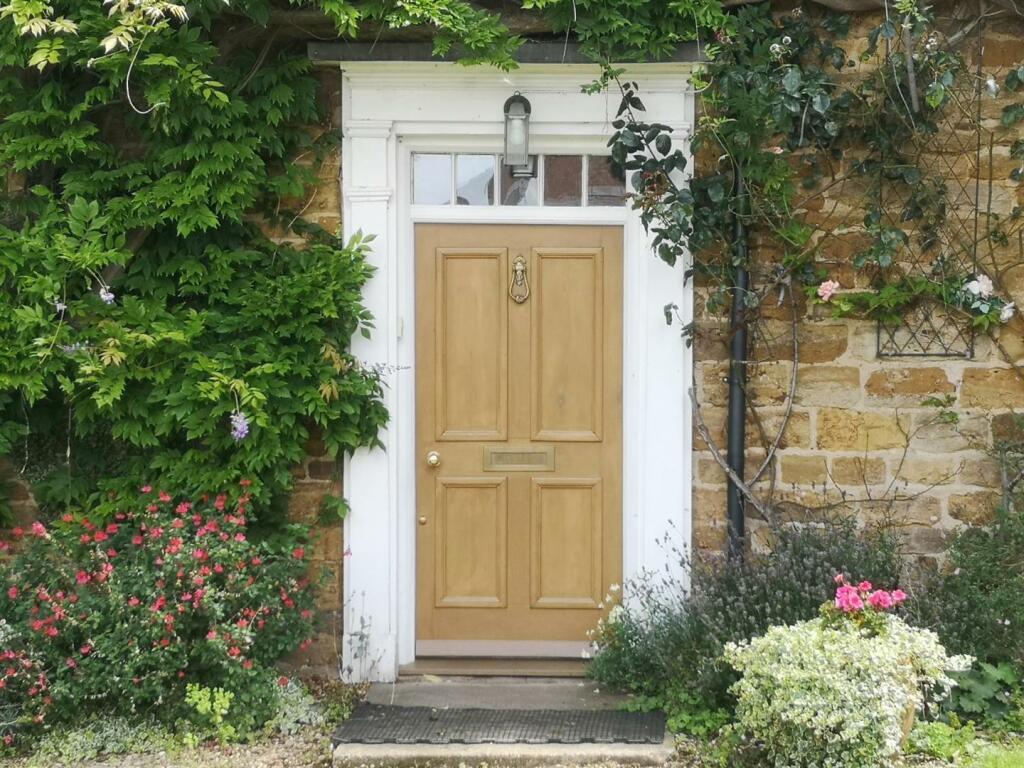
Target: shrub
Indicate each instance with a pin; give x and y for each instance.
(976, 603)
(121, 618)
(665, 640)
(836, 691)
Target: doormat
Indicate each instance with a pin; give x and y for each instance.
(382, 724)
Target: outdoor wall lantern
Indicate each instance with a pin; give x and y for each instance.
(517, 135)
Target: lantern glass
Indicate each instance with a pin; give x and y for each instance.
(517, 131)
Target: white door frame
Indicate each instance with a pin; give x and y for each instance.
(391, 109)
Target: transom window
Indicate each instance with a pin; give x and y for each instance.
(477, 179)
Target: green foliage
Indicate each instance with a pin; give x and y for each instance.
(143, 308)
(84, 741)
(986, 692)
(212, 706)
(945, 741)
(665, 641)
(976, 603)
(612, 31)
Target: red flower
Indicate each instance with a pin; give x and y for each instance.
(85, 538)
(298, 553)
(111, 552)
(72, 663)
(51, 631)
(13, 593)
(38, 529)
(282, 681)
(146, 488)
(17, 532)
(133, 601)
(239, 537)
(234, 651)
(245, 482)
(137, 540)
(178, 523)
(165, 496)
(184, 507)
(86, 649)
(100, 536)
(82, 577)
(67, 518)
(200, 554)
(247, 664)
(112, 528)
(220, 502)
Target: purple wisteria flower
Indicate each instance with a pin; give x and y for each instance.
(239, 426)
(107, 295)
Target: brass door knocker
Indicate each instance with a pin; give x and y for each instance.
(519, 287)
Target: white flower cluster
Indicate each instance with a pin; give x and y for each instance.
(6, 633)
(816, 695)
(980, 297)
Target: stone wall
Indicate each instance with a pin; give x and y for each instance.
(860, 433)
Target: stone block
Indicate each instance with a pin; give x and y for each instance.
(858, 471)
(925, 541)
(991, 388)
(828, 385)
(931, 470)
(907, 386)
(976, 508)
(983, 471)
(933, 435)
(841, 429)
(803, 470)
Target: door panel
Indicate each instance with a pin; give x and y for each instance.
(567, 344)
(471, 518)
(565, 544)
(472, 336)
(519, 532)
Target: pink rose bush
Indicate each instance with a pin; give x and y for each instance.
(118, 616)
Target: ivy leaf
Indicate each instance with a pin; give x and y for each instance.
(792, 80)
(820, 102)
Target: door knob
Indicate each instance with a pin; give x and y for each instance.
(433, 459)
(423, 521)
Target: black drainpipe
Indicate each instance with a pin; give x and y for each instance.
(736, 425)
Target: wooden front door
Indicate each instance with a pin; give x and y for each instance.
(519, 436)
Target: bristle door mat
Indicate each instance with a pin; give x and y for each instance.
(381, 724)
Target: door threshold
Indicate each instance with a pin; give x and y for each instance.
(494, 667)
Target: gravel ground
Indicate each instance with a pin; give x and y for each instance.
(303, 751)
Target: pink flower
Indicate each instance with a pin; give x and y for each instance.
(298, 553)
(13, 593)
(133, 601)
(881, 600)
(38, 529)
(827, 290)
(864, 586)
(239, 537)
(71, 663)
(898, 596)
(848, 600)
(82, 577)
(164, 496)
(86, 649)
(146, 488)
(839, 579)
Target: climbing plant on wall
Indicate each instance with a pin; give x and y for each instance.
(150, 326)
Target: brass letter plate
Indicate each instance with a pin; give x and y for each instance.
(527, 458)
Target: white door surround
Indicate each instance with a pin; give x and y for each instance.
(391, 109)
